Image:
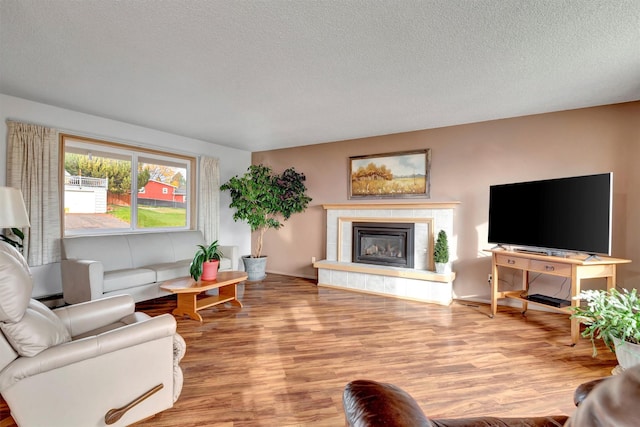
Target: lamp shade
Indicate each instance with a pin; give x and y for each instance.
(13, 213)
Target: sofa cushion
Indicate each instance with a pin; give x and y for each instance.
(225, 264)
(150, 248)
(16, 285)
(38, 330)
(185, 244)
(171, 270)
(127, 278)
(112, 251)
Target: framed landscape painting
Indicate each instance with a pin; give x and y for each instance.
(390, 175)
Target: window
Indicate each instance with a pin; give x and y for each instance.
(115, 188)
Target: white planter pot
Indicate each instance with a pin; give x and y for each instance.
(628, 354)
(255, 268)
(443, 267)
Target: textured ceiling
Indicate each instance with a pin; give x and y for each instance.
(259, 75)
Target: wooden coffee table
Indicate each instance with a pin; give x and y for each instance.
(188, 291)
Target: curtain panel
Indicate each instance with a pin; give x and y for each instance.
(32, 166)
(209, 199)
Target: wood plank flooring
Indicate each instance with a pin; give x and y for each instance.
(284, 358)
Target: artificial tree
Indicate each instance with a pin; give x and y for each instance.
(441, 251)
(264, 199)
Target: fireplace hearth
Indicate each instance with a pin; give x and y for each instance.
(389, 244)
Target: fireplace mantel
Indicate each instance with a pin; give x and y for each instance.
(423, 205)
(419, 283)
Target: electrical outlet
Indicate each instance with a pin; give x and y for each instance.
(313, 259)
(489, 277)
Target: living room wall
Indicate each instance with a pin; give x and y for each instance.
(466, 160)
(232, 162)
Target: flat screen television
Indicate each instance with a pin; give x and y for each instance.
(555, 215)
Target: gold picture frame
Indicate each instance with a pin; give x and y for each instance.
(390, 175)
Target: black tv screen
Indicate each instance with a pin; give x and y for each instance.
(563, 214)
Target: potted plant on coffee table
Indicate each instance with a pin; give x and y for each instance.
(614, 317)
(264, 200)
(206, 262)
(441, 253)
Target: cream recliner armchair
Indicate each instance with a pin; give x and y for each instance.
(91, 364)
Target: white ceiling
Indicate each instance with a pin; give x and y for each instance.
(260, 75)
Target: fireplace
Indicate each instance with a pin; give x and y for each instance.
(383, 243)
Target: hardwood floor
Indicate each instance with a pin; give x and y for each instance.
(284, 358)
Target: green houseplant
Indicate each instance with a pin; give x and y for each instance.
(614, 317)
(264, 200)
(206, 262)
(441, 252)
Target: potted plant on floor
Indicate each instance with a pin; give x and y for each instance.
(441, 253)
(614, 317)
(264, 200)
(206, 262)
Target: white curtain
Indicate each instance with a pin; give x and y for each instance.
(32, 166)
(209, 199)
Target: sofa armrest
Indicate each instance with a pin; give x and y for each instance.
(62, 355)
(231, 252)
(91, 315)
(82, 280)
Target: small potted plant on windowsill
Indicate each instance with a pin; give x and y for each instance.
(441, 253)
(206, 262)
(614, 317)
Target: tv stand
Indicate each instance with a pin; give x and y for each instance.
(573, 268)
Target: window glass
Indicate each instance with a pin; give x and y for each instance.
(111, 187)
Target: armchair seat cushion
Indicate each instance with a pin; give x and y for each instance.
(127, 278)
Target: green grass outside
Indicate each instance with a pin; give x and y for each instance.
(150, 217)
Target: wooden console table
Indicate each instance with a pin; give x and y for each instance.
(574, 268)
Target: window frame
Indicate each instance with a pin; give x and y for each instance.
(136, 152)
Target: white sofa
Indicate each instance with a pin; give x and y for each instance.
(94, 267)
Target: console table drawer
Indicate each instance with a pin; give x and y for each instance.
(512, 261)
(554, 268)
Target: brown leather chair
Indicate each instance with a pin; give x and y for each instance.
(610, 402)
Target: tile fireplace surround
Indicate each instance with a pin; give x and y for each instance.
(420, 283)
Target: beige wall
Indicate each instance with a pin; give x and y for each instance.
(466, 160)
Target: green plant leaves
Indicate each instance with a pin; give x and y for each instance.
(202, 255)
(262, 198)
(609, 314)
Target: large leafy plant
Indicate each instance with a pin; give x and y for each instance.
(202, 255)
(263, 198)
(609, 314)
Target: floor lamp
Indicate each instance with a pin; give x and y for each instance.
(13, 214)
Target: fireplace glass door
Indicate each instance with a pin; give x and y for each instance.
(389, 244)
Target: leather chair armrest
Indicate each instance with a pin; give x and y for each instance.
(91, 315)
(82, 280)
(231, 252)
(77, 351)
(370, 403)
(583, 390)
